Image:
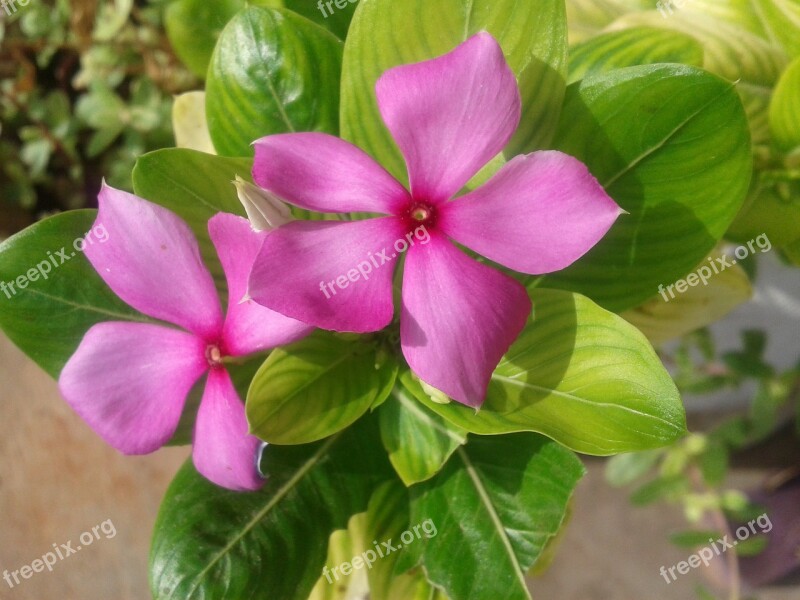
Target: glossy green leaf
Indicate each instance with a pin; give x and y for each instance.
(495, 505)
(272, 71)
(670, 145)
(314, 388)
(784, 110)
(214, 543)
(730, 51)
(580, 375)
(49, 293)
(195, 186)
(418, 440)
(769, 210)
(385, 33)
(631, 47)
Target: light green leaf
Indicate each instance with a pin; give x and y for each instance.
(671, 314)
(784, 110)
(494, 506)
(631, 47)
(272, 71)
(782, 21)
(580, 375)
(587, 18)
(385, 33)
(211, 542)
(314, 388)
(670, 145)
(49, 293)
(418, 440)
(189, 122)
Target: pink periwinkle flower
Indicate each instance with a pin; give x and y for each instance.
(129, 381)
(449, 117)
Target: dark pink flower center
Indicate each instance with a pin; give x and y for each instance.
(214, 355)
(418, 214)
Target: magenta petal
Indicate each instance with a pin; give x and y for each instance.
(149, 258)
(249, 327)
(450, 115)
(129, 382)
(538, 214)
(334, 275)
(223, 450)
(320, 172)
(459, 318)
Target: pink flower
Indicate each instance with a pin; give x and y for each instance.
(129, 381)
(449, 116)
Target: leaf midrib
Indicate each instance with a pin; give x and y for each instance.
(489, 506)
(279, 495)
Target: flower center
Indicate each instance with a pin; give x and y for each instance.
(213, 355)
(420, 213)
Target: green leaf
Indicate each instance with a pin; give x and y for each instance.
(495, 505)
(195, 186)
(587, 18)
(670, 145)
(193, 27)
(387, 520)
(331, 16)
(343, 545)
(189, 122)
(658, 489)
(784, 110)
(272, 71)
(730, 51)
(693, 538)
(214, 543)
(631, 47)
(418, 440)
(624, 469)
(385, 33)
(671, 314)
(314, 388)
(47, 312)
(782, 21)
(580, 375)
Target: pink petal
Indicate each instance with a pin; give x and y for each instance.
(459, 318)
(249, 327)
(129, 382)
(320, 172)
(450, 115)
(301, 265)
(149, 258)
(538, 214)
(223, 450)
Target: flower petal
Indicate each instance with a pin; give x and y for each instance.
(459, 318)
(450, 115)
(320, 172)
(334, 275)
(149, 258)
(223, 451)
(249, 327)
(129, 382)
(538, 214)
